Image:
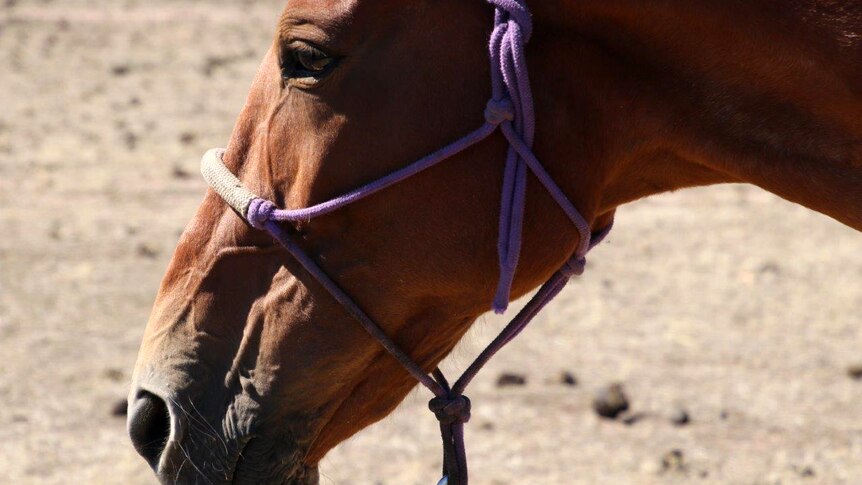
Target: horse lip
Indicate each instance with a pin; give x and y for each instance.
(173, 445)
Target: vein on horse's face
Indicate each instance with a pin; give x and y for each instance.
(270, 125)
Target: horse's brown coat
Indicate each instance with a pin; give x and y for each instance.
(633, 98)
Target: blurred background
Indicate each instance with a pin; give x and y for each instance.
(729, 318)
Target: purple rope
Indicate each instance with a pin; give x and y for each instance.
(511, 109)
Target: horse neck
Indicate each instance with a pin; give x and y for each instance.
(636, 98)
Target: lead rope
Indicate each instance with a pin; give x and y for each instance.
(510, 110)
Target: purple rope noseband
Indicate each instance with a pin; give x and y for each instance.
(511, 110)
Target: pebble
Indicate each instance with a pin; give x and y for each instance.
(568, 379)
(131, 140)
(120, 70)
(631, 419)
(770, 267)
(611, 401)
(188, 137)
(56, 231)
(855, 372)
(680, 417)
(179, 172)
(115, 375)
(120, 408)
(805, 471)
(510, 379)
(147, 251)
(673, 461)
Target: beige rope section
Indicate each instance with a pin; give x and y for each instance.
(225, 183)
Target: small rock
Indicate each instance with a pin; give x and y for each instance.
(510, 379)
(131, 140)
(805, 471)
(611, 401)
(56, 231)
(855, 372)
(487, 426)
(180, 173)
(147, 251)
(115, 375)
(673, 461)
(568, 379)
(631, 419)
(187, 137)
(120, 408)
(214, 63)
(769, 267)
(680, 417)
(120, 70)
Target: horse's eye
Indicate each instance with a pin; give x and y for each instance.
(305, 63)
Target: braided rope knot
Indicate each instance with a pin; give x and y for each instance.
(574, 266)
(518, 12)
(450, 410)
(260, 211)
(498, 111)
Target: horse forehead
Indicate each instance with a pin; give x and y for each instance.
(319, 11)
(343, 14)
(332, 5)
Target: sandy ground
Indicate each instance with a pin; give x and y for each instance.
(737, 306)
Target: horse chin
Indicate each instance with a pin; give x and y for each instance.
(303, 476)
(257, 466)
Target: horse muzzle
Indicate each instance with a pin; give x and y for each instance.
(183, 445)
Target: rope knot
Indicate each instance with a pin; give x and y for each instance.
(260, 211)
(499, 110)
(517, 11)
(450, 410)
(574, 266)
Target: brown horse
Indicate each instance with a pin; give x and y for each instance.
(245, 354)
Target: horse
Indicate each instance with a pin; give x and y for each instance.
(250, 371)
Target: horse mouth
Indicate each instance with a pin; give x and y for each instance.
(255, 462)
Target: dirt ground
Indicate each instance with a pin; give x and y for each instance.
(729, 303)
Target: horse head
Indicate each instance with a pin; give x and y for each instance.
(247, 364)
(250, 371)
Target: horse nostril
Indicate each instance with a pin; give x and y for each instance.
(149, 426)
